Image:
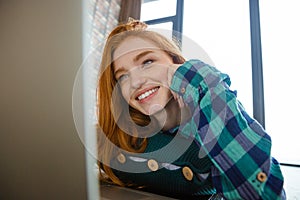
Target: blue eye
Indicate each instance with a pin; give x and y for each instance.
(123, 77)
(147, 62)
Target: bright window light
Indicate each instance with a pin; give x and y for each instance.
(222, 29)
(280, 49)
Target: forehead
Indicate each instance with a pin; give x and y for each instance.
(133, 44)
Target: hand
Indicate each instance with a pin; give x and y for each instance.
(171, 70)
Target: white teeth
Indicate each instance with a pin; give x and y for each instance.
(146, 94)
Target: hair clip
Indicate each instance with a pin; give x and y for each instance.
(131, 25)
(135, 24)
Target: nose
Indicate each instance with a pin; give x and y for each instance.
(137, 78)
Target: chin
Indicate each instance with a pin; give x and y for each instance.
(155, 109)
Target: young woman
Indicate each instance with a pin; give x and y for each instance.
(172, 126)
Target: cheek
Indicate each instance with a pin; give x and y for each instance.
(159, 73)
(162, 77)
(125, 92)
(167, 93)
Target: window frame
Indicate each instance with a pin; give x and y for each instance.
(177, 20)
(256, 55)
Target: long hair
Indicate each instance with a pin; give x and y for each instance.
(109, 117)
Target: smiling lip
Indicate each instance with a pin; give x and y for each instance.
(146, 94)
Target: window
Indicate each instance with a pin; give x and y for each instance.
(162, 14)
(222, 29)
(280, 47)
(202, 39)
(221, 32)
(159, 6)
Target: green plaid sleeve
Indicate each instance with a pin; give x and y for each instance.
(237, 145)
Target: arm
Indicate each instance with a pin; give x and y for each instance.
(237, 145)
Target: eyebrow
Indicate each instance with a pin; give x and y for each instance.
(118, 71)
(135, 59)
(139, 56)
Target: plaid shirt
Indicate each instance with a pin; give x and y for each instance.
(237, 145)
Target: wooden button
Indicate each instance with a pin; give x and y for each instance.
(187, 173)
(153, 165)
(261, 177)
(121, 158)
(182, 90)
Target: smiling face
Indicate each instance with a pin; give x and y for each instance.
(141, 70)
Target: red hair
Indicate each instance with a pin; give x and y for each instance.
(109, 133)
